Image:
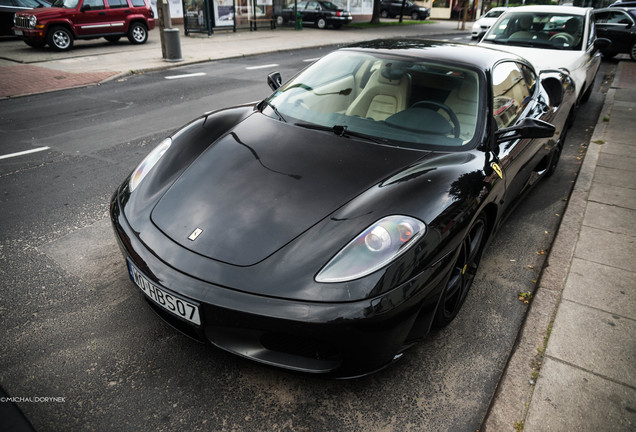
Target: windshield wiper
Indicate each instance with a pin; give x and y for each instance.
(280, 116)
(342, 131)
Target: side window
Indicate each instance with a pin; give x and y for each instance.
(601, 17)
(511, 92)
(93, 5)
(529, 77)
(114, 4)
(138, 3)
(619, 18)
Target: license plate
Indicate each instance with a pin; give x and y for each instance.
(175, 305)
(18, 32)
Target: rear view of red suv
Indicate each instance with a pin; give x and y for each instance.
(67, 20)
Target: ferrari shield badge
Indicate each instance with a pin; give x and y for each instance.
(195, 234)
(495, 166)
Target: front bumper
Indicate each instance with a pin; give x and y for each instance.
(30, 34)
(343, 339)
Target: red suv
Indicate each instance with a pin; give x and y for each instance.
(67, 20)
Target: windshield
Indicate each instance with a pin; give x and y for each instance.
(68, 4)
(494, 14)
(538, 30)
(399, 101)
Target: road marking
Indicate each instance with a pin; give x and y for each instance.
(262, 66)
(35, 150)
(186, 75)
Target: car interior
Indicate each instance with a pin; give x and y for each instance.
(401, 100)
(555, 31)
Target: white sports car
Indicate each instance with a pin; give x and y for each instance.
(552, 37)
(483, 24)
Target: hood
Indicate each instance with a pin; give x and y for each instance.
(46, 12)
(265, 183)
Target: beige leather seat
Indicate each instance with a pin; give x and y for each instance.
(464, 103)
(386, 93)
(524, 26)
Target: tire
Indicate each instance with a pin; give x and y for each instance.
(321, 23)
(587, 94)
(280, 20)
(35, 44)
(462, 272)
(137, 33)
(415, 16)
(60, 38)
(632, 52)
(556, 152)
(112, 39)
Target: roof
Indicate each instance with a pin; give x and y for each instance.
(478, 55)
(569, 10)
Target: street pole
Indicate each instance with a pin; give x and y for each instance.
(163, 10)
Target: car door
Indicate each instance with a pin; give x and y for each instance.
(92, 18)
(591, 60)
(311, 12)
(118, 10)
(395, 8)
(513, 100)
(615, 25)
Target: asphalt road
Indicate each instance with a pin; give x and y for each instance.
(73, 326)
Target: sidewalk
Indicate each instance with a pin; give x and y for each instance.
(25, 70)
(578, 342)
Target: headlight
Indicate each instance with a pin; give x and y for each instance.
(146, 165)
(33, 20)
(374, 248)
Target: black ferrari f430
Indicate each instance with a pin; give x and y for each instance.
(329, 227)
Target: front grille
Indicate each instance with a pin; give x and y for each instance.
(23, 22)
(299, 346)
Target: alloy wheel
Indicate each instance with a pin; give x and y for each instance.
(60, 39)
(462, 273)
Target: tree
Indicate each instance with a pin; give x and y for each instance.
(375, 17)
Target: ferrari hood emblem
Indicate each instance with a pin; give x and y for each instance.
(195, 234)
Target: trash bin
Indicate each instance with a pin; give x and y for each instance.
(173, 45)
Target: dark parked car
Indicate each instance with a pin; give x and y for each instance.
(67, 20)
(318, 13)
(391, 9)
(619, 26)
(328, 227)
(623, 4)
(8, 8)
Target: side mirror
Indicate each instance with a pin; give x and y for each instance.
(527, 128)
(274, 80)
(554, 88)
(601, 43)
(85, 7)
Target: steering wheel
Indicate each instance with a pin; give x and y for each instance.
(438, 105)
(567, 37)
